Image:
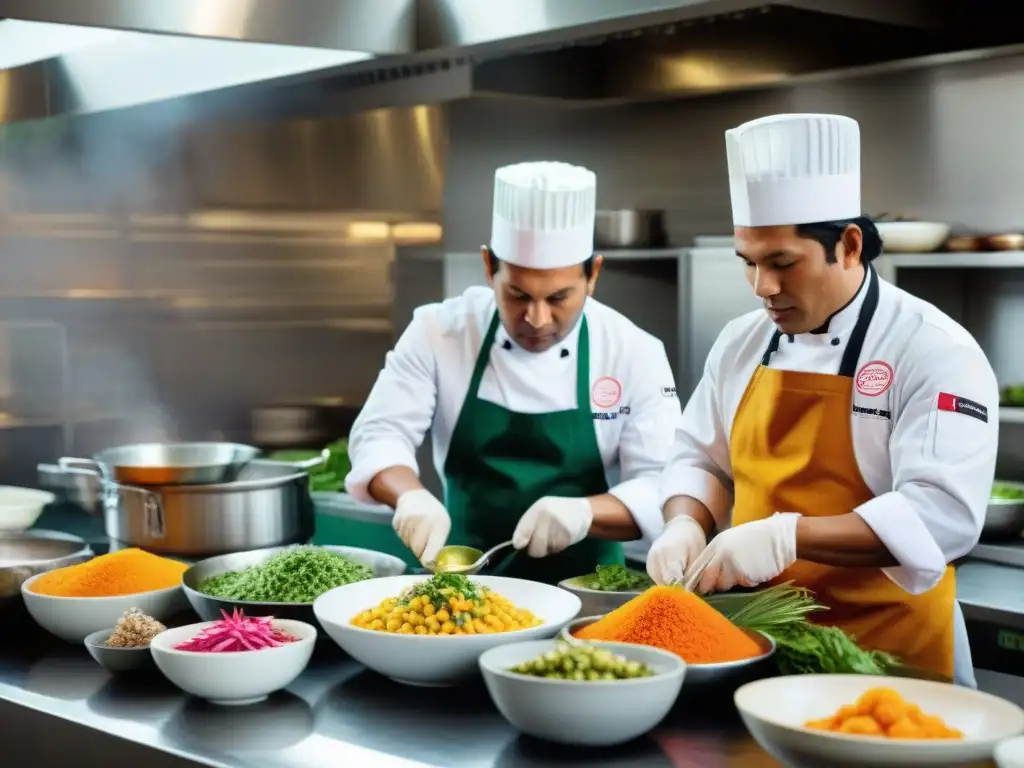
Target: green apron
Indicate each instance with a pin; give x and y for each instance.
(500, 462)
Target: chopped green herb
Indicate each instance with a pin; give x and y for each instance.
(616, 578)
(295, 575)
(443, 586)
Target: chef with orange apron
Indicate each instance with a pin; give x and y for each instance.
(844, 437)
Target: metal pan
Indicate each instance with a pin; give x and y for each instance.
(162, 464)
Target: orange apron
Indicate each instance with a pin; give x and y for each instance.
(792, 451)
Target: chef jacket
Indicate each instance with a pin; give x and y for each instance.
(925, 420)
(426, 376)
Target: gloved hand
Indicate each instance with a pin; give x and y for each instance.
(422, 523)
(553, 524)
(675, 549)
(747, 555)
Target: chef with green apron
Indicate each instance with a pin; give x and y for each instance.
(550, 414)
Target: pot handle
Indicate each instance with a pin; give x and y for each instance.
(80, 466)
(154, 523)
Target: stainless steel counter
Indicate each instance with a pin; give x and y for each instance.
(62, 706)
(336, 714)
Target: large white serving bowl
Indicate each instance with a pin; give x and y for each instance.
(75, 618)
(21, 507)
(596, 713)
(243, 677)
(441, 660)
(775, 709)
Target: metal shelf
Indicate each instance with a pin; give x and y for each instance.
(980, 260)
(1009, 415)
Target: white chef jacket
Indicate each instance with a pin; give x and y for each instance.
(931, 470)
(426, 376)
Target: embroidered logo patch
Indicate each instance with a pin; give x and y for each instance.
(606, 392)
(874, 378)
(956, 404)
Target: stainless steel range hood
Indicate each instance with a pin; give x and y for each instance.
(588, 50)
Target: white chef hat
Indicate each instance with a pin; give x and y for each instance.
(794, 169)
(543, 215)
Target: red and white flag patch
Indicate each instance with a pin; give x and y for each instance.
(957, 404)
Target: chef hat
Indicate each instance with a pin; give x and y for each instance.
(543, 215)
(794, 169)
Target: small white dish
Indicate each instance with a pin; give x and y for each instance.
(75, 618)
(596, 713)
(239, 678)
(21, 507)
(435, 660)
(118, 660)
(1010, 753)
(912, 236)
(597, 602)
(775, 710)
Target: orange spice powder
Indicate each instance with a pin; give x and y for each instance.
(674, 620)
(125, 572)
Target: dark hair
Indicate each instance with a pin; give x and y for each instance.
(494, 262)
(829, 233)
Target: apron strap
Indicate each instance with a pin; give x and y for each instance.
(855, 345)
(583, 368)
(851, 355)
(483, 356)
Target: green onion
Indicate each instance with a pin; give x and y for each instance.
(801, 647)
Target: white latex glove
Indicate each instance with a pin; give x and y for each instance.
(747, 555)
(679, 544)
(553, 524)
(422, 523)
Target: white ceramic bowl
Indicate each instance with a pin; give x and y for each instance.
(445, 660)
(912, 236)
(243, 677)
(21, 507)
(596, 602)
(74, 618)
(1010, 753)
(774, 711)
(596, 713)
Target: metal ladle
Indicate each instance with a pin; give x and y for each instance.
(456, 558)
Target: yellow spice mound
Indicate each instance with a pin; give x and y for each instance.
(883, 713)
(126, 572)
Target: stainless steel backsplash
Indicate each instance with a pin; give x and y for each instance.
(198, 268)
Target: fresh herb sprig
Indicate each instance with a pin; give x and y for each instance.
(616, 578)
(801, 647)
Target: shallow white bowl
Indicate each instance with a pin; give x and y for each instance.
(596, 713)
(1010, 753)
(774, 711)
(245, 677)
(75, 618)
(912, 236)
(21, 507)
(445, 660)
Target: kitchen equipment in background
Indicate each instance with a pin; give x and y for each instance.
(169, 463)
(268, 505)
(21, 507)
(1005, 242)
(302, 424)
(82, 489)
(630, 229)
(965, 243)
(912, 236)
(1004, 517)
(24, 555)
